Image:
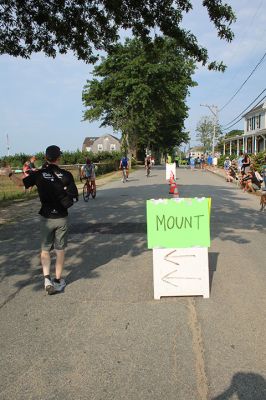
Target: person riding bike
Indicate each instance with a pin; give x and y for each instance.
(148, 164)
(124, 165)
(88, 173)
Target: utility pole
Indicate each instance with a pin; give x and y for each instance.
(214, 110)
(7, 144)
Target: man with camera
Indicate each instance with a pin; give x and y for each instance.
(57, 192)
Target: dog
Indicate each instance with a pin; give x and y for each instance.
(262, 201)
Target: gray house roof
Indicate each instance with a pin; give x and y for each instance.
(260, 107)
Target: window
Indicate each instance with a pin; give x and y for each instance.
(112, 147)
(100, 147)
(258, 121)
(252, 123)
(88, 148)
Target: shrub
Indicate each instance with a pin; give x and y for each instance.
(259, 160)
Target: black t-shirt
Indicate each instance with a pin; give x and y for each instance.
(50, 189)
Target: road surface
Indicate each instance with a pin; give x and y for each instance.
(106, 337)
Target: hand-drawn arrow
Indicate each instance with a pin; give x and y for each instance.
(169, 277)
(169, 257)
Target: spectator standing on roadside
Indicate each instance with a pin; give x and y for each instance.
(246, 162)
(192, 163)
(29, 166)
(57, 191)
(227, 165)
(240, 162)
(202, 161)
(209, 160)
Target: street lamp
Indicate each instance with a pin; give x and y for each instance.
(214, 110)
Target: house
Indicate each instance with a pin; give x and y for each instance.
(196, 151)
(88, 142)
(254, 138)
(102, 143)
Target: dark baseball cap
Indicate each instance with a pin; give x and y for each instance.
(52, 153)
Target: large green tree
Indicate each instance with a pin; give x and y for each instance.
(28, 26)
(140, 90)
(205, 132)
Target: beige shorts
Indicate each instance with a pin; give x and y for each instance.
(54, 233)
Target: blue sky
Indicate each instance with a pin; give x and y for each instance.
(40, 98)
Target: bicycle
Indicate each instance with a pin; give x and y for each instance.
(124, 172)
(88, 190)
(148, 171)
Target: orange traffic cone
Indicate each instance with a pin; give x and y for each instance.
(176, 193)
(172, 188)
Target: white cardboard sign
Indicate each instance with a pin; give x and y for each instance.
(170, 168)
(181, 272)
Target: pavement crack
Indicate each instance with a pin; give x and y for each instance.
(198, 348)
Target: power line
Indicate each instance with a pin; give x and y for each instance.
(246, 107)
(252, 72)
(249, 25)
(228, 127)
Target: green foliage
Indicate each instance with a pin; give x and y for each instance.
(53, 26)
(205, 132)
(68, 158)
(259, 160)
(222, 158)
(234, 132)
(16, 161)
(140, 90)
(205, 129)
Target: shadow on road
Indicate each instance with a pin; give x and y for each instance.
(114, 225)
(247, 386)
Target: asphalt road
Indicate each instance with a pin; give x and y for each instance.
(106, 337)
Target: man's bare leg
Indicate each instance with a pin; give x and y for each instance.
(46, 262)
(59, 265)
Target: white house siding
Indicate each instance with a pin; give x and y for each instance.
(254, 138)
(106, 143)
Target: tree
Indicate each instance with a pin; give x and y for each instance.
(31, 26)
(234, 132)
(205, 129)
(140, 90)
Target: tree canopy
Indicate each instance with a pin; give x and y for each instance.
(234, 132)
(140, 91)
(205, 131)
(82, 26)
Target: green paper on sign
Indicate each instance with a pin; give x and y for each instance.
(178, 223)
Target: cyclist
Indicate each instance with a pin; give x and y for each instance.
(88, 173)
(124, 165)
(148, 165)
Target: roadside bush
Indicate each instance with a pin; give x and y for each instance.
(259, 161)
(133, 162)
(222, 158)
(16, 161)
(104, 168)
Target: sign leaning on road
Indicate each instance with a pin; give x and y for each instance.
(170, 168)
(179, 234)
